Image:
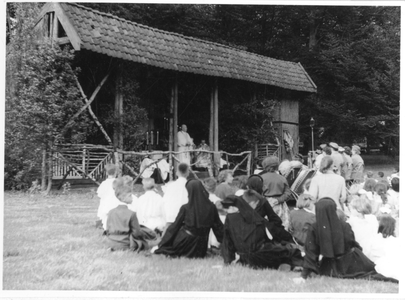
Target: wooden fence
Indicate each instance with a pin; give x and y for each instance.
(88, 161)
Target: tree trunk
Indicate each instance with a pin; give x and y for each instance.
(313, 28)
(50, 171)
(43, 171)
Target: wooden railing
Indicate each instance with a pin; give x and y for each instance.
(71, 161)
(88, 161)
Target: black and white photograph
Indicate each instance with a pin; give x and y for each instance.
(201, 150)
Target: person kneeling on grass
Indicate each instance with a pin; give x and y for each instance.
(247, 237)
(331, 250)
(123, 229)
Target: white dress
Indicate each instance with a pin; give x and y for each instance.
(183, 138)
(366, 234)
(108, 201)
(149, 209)
(387, 264)
(175, 196)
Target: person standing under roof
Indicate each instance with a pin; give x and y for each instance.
(184, 142)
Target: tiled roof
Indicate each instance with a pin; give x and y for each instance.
(116, 37)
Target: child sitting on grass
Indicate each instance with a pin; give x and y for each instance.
(301, 217)
(106, 194)
(149, 207)
(123, 229)
(365, 226)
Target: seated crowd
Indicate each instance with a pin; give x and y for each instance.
(343, 225)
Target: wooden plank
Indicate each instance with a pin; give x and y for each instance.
(91, 111)
(68, 27)
(93, 96)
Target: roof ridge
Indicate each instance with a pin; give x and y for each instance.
(176, 34)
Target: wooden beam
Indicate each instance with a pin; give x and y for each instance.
(217, 157)
(64, 20)
(216, 124)
(175, 117)
(171, 131)
(92, 113)
(118, 109)
(211, 134)
(68, 27)
(93, 96)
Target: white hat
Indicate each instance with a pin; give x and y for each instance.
(334, 145)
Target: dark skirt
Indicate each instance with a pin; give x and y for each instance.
(185, 244)
(353, 264)
(271, 255)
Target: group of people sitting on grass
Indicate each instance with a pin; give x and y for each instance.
(247, 220)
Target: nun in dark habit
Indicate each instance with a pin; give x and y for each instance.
(246, 234)
(188, 235)
(331, 249)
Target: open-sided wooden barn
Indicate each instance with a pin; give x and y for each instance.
(127, 43)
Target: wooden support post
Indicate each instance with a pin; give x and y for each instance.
(216, 124)
(175, 119)
(217, 157)
(118, 109)
(55, 28)
(84, 160)
(249, 163)
(211, 134)
(117, 162)
(171, 133)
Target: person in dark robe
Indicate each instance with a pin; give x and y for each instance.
(123, 230)
(264, 209)
(331, 249)
(188, 235)
(247, 236)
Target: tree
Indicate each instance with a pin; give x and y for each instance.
(44, 99)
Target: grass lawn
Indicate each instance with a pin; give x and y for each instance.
(51, 243)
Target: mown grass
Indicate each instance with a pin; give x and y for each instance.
(51, 243)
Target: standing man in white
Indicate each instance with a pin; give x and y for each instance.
(184, 142)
